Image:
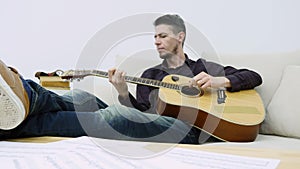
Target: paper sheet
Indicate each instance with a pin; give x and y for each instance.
(83, 152)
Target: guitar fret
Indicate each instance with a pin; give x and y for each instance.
(169, 86)
(101, 73)
(148, 82)
(137, 80)
(127, 78)
(151, 82)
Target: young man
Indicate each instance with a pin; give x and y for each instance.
(30, 110)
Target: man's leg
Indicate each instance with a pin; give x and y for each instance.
(14, 102)
(43, 100)
(124, 123)
(55, 115)
(114, 122)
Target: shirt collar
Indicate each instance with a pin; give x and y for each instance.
(187, 61)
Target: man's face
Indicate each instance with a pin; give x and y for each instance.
(166, 41)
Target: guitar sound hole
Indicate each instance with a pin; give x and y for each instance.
(190, 91)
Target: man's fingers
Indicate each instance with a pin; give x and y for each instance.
(111, 72)
(204, 82)
(199, 76)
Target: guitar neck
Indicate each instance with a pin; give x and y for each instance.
(130, 79)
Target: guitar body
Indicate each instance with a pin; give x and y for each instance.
(236, 120)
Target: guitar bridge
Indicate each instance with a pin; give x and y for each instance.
(221, 95)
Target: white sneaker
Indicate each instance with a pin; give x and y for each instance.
(12, 111)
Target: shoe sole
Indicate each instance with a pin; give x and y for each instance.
(12, 111)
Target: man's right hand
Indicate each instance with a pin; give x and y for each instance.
(117, 78)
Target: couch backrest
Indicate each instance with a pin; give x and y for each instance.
(270, 67)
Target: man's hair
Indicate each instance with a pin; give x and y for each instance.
(175, 21)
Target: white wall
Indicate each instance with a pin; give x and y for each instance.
(46, 35)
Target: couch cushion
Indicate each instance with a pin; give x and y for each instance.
(283, 113)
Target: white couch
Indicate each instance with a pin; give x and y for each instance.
(280, 72)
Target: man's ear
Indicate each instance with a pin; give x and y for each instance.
(181, 36)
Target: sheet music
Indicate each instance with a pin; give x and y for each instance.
(82, 153)
(204, 159)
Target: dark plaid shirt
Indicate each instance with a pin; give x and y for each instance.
(240, 79)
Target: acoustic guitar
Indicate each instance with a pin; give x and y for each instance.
(228, 116)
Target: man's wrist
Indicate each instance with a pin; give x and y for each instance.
(227, 82)
(124, 96)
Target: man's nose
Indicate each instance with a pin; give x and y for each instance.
(157, 41)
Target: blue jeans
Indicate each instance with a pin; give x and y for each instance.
(79, 113)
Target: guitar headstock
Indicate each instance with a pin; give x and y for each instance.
(73, 75)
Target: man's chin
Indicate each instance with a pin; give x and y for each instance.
(165, 55)
(162, 56)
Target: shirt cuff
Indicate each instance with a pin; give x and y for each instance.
(235, 83)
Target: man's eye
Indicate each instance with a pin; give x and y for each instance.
(161, 36)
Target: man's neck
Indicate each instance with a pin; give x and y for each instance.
(176, 60)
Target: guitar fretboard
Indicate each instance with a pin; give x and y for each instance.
(76, 74)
